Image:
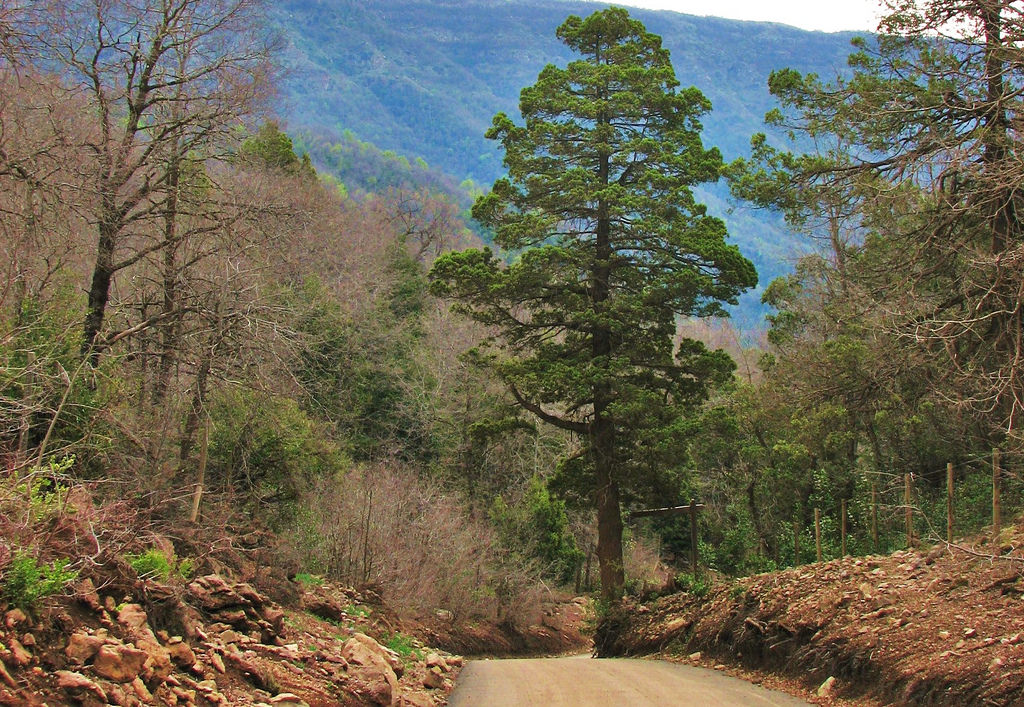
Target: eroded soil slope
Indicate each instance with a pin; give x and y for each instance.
(942, 626)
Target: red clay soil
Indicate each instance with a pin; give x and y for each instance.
(943, 626)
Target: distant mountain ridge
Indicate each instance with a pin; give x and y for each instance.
(423, 78)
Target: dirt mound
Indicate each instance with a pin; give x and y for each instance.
(943, 626)
(235, 647)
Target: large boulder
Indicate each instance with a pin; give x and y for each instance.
(237, 604)
(119, 663)
(136, 625)
(83, 646)
(370, 665)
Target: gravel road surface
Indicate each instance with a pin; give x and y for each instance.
(585, 682)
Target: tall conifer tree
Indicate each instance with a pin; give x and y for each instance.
(609, 249)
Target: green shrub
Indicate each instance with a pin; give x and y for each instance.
(154, 564)
(695, 586)
(26, 581)
(538, 527)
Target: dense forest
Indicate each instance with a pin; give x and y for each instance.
(223, 346)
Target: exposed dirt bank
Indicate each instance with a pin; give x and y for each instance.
(937, 627)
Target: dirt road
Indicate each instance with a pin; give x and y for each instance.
(583, 682)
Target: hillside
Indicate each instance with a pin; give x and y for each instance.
(424, 77)
(938, 626)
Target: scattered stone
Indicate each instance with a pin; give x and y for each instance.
(15, 618)
(141, 692)
(181, 653)
(287, 699)
(133, 617)
(275, 617)
(119, 663)
(827, 688)
(217, 662)
(970, 632)
(231, 616)
(183, 695)
(212, 592)
(434, 679)
(82, 647)
(415, 699)
(695, 655)
(436, 661)
(5, 676)
(677, 624)
(78, 683)
(231, 636)
(19, 654)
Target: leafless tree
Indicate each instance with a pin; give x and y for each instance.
(164, 81)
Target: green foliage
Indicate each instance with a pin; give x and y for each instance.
(308, 580)
(155, 564)
(405, 646)
(610, 248)
(695, 586)
(362, 372)
(26, 581)
(152, 563)
(538, 527)
(268, 449)
(272, 149)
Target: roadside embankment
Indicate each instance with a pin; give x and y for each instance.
(935, 627)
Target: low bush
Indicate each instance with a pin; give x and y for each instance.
(26, 580)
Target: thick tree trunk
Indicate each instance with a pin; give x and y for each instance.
(997, 125)
(602, 431)
(99, 289)
(609, 515)
(170, 328)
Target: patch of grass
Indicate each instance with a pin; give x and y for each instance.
(26, 581)
(360, 612)
(154, 564)
(404, 646)
(309, 580)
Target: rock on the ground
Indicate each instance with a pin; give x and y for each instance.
(119, 663)
(434, 678)
(369, 664)
(78, 685)
(827, 688)
(83, 646)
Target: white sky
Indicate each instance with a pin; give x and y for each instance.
(823, 15)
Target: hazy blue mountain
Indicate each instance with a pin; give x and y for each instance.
(423, 78)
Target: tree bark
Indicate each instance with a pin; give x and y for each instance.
(606, 496)
(99, 289)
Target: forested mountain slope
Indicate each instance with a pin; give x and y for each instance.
(424, 77)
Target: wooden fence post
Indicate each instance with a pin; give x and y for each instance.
(908, 510)
(949, 502)
(997, 514)
(842, 526)
(874, 515)
(694, 552)
(817, 532)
